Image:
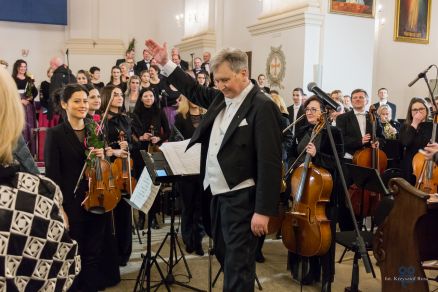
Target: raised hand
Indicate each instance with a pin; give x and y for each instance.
(158, 52)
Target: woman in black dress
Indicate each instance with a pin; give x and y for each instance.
(118, 122)
(28, 91)
(321, 156)
(415, 133)
(187, 119)
(65, 155)
(151, 128)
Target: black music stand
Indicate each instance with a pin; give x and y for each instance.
(366, 179)
(393, 150)
(160, 172)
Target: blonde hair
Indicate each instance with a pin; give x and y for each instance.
(184, 107)
(278, 100)
(385, 107)
(11, 117)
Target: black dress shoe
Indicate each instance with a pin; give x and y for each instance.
(199, 251)
(326, 287)
(189, 249)
(155, 224)
(307, 280)
(259, 257)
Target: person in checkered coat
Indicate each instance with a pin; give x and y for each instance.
(36, 252)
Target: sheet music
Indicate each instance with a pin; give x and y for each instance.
(144, 193)
(182, 161)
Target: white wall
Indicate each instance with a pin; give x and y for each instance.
(43, 41)
(347, 53)
(398, 63)
(237, 16)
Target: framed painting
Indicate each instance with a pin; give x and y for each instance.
(363, 8)
(412, 21)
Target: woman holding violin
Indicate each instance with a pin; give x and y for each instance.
(415, 133)
(151, 128)
(117, 128)
(65, 156)
(320, 154)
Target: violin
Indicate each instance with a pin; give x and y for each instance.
(363, 201)
(122, 167)
(102, 196)
(306, 229)
(152, 147)
(426, 171)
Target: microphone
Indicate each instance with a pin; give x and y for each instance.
(323, 97)
(420, 75)
(66, 52)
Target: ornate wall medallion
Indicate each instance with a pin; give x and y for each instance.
(276, 67)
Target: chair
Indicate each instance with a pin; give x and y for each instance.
(348, 238)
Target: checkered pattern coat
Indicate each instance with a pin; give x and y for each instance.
(36, 252)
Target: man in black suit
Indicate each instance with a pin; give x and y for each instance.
(356, 130)
(197, 63)
(184, 64)
(206, 66)
(261, 82)
(383, 99)
(356, 126)
(240, 158)
(206, 56)
(296, 110)
(177, 60)
(144, 64)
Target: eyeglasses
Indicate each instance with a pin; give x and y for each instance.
(416, 110)
(312, 110)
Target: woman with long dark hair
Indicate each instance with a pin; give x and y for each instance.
(28, 91)
(65, 156)
(150, 127)
(415, 133)
(116, 123)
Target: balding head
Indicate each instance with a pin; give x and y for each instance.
(55, 62)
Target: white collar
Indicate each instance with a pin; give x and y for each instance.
(238, 99)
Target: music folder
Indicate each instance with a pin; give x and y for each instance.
(174, 162)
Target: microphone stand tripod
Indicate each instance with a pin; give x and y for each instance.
(360, 250)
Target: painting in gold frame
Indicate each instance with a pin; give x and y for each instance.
(412, 21)
(363, 8)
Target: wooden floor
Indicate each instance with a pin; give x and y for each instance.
(272, 273)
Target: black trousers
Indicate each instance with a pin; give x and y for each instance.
(123, 230)
(191, 217)
(89, 234)
(234, 243)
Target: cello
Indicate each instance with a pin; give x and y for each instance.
(306, 229)
(426, 171)
(363, 201)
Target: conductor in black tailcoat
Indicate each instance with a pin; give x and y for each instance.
(238, 166)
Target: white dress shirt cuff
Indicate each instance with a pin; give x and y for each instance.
(168, 68)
